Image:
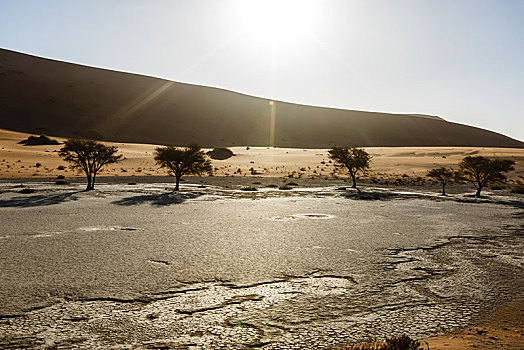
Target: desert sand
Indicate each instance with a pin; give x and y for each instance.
(503, 329)
(21, 161)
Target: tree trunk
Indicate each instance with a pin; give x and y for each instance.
(177, 186)
(443, 188)
(354, 180)
(478, 192)
(93, 182)
(89, 182)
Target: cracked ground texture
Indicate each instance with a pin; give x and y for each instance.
(211, 269)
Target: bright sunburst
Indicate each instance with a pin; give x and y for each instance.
(277, 21)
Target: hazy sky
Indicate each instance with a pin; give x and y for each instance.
(460, 59)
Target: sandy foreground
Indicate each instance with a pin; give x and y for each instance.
(20, 161)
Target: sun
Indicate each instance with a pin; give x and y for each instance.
(278, 21)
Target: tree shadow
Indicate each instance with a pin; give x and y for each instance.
(388, 196)
(370, 196)
(157, 199)
(515, 203)
(38, 200)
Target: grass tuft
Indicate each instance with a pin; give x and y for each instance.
(401, 342)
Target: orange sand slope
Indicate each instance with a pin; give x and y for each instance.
(69, 100)
(18, 160)
(504, 329)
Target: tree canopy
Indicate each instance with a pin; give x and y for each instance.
(481, 171)
(444, 175)
(354, 159)
(183, 161)
(88, 156)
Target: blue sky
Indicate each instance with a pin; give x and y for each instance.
(460, 59)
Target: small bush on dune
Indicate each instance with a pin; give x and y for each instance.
(220, 153)
(39, 140)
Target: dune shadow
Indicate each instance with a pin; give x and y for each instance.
(38, 200)
(157, 199)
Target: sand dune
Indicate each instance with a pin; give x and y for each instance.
(62, 99)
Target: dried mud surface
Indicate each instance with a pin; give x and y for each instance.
(137, 267)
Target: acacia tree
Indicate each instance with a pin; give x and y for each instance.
(183, 161)
(480, 171)
(444, 175)
(88, 156)
(354, 159)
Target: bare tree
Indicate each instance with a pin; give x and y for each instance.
(354, 159)
(444, 175)
(481, 171)
(183, 161)
(88, 156)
